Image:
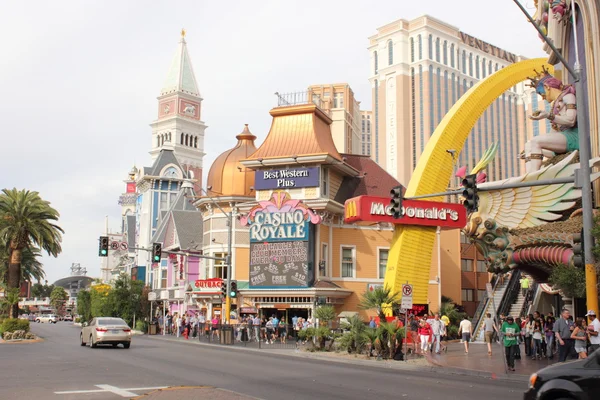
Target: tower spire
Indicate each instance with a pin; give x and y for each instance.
(181, 77)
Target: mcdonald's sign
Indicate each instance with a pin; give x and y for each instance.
(414, 212)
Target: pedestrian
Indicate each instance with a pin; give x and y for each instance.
(215, 327)
(527, 329)
(282, 330)
(489, 329)
(524, 281)
(562, 329)
(270, 330)
(256, 325)
(511, 332)
(249, 322)
(537, 340)
(424, 331)
(438, 329)
(593, 330)
(465, 329)
(414, 328)
(372, 323)
(549, 334)
(580, 336)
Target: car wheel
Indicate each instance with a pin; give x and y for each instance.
(81, 339)
(126, 345)
(92, 344)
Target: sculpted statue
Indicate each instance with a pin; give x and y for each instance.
(564, 136)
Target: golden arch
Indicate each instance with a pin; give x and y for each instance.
(412, 246)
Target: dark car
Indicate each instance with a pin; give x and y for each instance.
(576, 380)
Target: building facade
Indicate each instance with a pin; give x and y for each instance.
(344, 110)
(365, 129)
(418, 70)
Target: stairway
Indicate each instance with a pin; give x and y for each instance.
(517, 306)
(498, 295)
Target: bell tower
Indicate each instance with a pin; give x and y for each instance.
(179, 122)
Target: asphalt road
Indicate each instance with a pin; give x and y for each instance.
(60, 364)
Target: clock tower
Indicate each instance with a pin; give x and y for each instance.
(179, 123)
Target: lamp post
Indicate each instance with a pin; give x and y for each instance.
(229, 216)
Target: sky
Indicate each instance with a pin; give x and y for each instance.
(79, 81)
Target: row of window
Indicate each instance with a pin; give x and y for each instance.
(186, 139)
(469, 295)
(466, 265)
(348, 264)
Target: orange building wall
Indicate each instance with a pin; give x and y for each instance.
(242, 260)
(366, 243)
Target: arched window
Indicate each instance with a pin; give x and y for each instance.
(420, 40)
(169, 137)
(157, 141)
(445, 52)
(196, 142)
(477, 67)
(470, 64)
(430, 47)
(496, 66)
(464, 62)
(186, 140)
(437, 49)
(452, 55)
(483, 68)
(376, 65)
(390, 46)
(181, 137)
(412, 50)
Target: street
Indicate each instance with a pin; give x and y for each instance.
(60, 364)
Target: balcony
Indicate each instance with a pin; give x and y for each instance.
(300, 98)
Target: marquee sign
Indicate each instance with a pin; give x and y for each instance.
(280, 242)
(414, 212)
(212, 285)
(286, 178)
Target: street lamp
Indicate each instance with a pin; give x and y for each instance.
(188, 184)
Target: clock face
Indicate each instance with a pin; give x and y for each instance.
(171, 172)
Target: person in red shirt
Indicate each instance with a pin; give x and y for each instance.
(424, 334)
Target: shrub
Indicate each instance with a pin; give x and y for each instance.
(77, 320)
(141, 326)
(452, 332)
(14, 324)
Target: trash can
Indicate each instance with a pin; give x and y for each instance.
(152, 328)
(227, 334)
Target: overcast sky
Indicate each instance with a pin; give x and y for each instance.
(79, 80)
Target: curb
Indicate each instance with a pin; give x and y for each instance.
(430, 367)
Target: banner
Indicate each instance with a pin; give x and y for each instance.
(280, 264)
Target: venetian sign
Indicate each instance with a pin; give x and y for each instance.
(286, 178)
(414, 212)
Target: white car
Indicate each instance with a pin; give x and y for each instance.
(105, 330)
(50, 318)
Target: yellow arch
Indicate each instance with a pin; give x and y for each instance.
(412, 246)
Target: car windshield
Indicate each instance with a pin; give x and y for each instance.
(111, 321)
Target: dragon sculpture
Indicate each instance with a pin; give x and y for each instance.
(507, 228)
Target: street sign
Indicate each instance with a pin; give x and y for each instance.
(407, 296)
(114, 245)
(490, 291)
(123, 245)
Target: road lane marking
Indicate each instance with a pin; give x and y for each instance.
(127, 392)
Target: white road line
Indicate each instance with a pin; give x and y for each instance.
(112, 389)
(116, 390)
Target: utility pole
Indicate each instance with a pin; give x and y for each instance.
(582, 175)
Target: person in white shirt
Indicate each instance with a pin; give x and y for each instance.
(466, 330)
(593, 330)
(489, 329)
(438, 329)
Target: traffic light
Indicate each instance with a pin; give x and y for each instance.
(233, 291)
(471, 201)
(156, 252)
(103, 246)
(578, 252)
(396, 202)
(224, 289)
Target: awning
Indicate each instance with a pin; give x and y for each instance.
(347, 314)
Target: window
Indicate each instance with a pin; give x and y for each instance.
(481, 266)
(390, 52)
(338, 100)
(477, 67)
(220, 266)
(470, 64)
(163, 278)
(467, 294)
(324, 257)
(324, 182)
(383, 259)
(375, 63)
(445, 52)
(437, 49)
(464, 62)
(348, 262)
(412, 49)
(430, 47)
(466, 265)
(420, 46)
(481, 294)
(452, 55)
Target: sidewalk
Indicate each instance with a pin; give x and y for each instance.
(477, 363)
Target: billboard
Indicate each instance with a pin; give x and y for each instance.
(286, 178)
(281, 242)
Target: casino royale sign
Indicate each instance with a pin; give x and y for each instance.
(279, 227)
(286, 178)
(414, 212)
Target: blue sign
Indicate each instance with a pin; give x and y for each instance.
(279, 226)
(287, 178)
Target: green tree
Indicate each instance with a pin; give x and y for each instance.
(31, 268)
(58, 297)
(570, 280)
(10, 300)
(356, 337)
(84, 305)
(378, 300)
(325, 314)
(26, 221)
(101, 301)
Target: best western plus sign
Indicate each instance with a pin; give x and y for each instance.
(414, 212)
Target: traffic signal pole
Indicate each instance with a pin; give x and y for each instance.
(583, 174)
(229, 245)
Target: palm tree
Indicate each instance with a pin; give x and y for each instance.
(31, 268)
(26, 221)
(379, 299)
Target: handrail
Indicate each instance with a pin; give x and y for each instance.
(483, 304)
(529, 297)
(511, 293)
